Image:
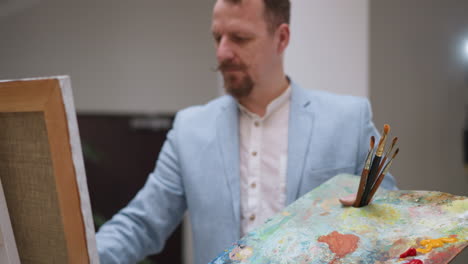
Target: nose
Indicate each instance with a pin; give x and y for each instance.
(224, 50)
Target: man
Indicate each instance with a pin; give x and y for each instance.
(243, 157)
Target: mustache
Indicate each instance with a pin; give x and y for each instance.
(229, 65)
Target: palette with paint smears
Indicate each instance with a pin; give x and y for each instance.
(318, 229)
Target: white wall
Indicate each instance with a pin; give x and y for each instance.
(329, 45)
(417, 72)
(123, 56)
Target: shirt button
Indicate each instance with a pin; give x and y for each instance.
(253, 185)
(256, 123)
(252, 217)
(254, 153)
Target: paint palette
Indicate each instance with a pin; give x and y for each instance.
(318, 229)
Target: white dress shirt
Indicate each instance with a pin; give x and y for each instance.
(263, 161)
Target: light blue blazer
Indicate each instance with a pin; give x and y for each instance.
(198, 170)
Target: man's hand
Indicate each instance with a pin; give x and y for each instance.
(348, 200)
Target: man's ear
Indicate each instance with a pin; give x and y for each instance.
(283, 35)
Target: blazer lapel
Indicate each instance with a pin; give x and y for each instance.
(299, 133)
(228, 138)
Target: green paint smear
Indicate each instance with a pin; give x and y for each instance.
(268, 231)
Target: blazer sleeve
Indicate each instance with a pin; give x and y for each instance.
(367, 130)
(142, 227)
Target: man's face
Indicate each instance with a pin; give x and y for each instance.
(245, 49)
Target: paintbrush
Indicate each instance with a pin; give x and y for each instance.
(387, 153)
(365, 172)
(381, 177)
(375, 165)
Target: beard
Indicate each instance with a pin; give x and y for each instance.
(239, 83)
(238, 87)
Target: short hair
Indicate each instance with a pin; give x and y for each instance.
(277, 12)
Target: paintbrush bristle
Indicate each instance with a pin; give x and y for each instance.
(396, 152)
(372, 142)
(383, 138)
(386, 128)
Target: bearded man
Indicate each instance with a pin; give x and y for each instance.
(243, 157)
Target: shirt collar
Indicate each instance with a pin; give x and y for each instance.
(271, 107)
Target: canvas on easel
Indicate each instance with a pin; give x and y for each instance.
(42, 173)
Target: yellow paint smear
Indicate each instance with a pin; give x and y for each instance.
(429, 244)
(376, 212)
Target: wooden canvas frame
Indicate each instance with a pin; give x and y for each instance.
(52, 99)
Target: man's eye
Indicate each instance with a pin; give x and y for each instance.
(239, 39)
(217, 39)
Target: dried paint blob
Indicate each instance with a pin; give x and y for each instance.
(340, 244)
(408, 253)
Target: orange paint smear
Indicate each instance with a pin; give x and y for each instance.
(340, 244)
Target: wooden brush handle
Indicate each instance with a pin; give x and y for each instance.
(370, 179)
(362, 184)
(374, 189)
